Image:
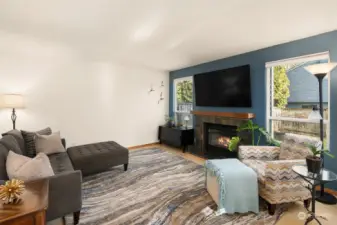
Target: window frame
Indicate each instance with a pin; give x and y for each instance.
(269, 92)
(175, 82)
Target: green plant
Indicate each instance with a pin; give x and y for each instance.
(233, 143)
(251, 127)
(281, 87)
(316, 152)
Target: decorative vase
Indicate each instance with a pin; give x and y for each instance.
(314, 164)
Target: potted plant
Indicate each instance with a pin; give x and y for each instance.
(314, 161)
(169, 121)
(252, 127)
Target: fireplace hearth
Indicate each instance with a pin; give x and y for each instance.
(217, 137)
(213, 130)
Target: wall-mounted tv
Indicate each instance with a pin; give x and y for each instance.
(224, 88)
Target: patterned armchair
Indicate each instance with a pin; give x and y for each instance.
(273, 165)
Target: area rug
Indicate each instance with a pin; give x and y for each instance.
(159, 188)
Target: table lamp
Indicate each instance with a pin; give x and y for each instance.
(186, 118)
(12, 101)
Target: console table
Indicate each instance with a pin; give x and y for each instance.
(176, 136)
(32, 210)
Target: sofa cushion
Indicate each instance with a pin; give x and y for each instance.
(29, 137)
(3, 158)
(294, 146)
(11, 144)
(18, 136)
(60, 162)
(49, 144)
(27, 169)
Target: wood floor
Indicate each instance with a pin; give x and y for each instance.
(288, 218)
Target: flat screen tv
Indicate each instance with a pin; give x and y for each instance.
(224, 88)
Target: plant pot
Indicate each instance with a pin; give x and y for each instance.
(314, 164)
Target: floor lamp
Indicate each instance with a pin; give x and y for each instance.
(320, 71)
(13, 102)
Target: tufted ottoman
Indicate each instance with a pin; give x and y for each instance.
(98, 157)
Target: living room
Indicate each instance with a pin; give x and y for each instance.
(115, 78)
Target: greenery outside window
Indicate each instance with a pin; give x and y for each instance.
(183, 100)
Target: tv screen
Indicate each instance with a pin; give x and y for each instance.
(224, 88)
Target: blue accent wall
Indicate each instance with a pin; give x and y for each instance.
(257, 59)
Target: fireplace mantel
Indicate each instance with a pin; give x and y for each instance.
(225, 114)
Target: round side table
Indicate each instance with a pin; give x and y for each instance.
(313, 180)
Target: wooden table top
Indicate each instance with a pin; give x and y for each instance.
(34, 199)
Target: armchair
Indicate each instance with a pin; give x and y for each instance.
(273, 165)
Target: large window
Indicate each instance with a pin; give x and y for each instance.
(183, 100)
(292, 92)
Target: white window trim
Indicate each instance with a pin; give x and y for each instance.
(269, 103)
(175, 81)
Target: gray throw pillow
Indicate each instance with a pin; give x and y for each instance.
(49, 144)
(11, 144)
(29, 138)
(18, 136)
(27, 169)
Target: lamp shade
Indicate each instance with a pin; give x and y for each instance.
(322, 68)
(186, 118)
(12, 101)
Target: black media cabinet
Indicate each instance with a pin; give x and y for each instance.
(176, 136)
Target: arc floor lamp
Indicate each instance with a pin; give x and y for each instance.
(12, 101)
(320, 71)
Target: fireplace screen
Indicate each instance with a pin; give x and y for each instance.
(218, 139)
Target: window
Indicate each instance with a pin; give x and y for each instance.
(183, 100)
(291, 94)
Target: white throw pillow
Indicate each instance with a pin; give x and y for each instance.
(26, 169)
(49, 144)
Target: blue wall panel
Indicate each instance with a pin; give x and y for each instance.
(257, 59)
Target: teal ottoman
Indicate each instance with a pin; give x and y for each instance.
(232, 185)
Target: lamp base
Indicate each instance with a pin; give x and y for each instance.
(327, 198)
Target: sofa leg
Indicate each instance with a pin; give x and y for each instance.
(307, 203)
(126, 167)
(76, 217)
(271, 208)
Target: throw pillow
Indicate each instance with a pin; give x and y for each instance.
(49, 144)
(11, 144)
(30, 142)
(27, 169)
(18, 136)
(294, 146)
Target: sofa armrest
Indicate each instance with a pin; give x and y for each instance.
(65, 194)
(258, 152)
(281, 171)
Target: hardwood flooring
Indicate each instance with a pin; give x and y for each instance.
(288, 218)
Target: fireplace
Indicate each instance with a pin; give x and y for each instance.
(217, 137)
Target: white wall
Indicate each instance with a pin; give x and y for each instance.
(87, 100)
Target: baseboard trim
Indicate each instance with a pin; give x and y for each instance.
(328, 190)
(142, 146)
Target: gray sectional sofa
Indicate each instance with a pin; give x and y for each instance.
(65, 187)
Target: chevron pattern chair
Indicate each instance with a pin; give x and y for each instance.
(273, 165)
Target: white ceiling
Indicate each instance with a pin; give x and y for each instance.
(167, 34)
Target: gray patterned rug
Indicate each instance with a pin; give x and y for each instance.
(159, 188)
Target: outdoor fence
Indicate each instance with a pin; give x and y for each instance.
(281, 127)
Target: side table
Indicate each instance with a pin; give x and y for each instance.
(313, 180)
(32, 209)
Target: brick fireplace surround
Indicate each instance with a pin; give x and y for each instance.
(202, 118)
